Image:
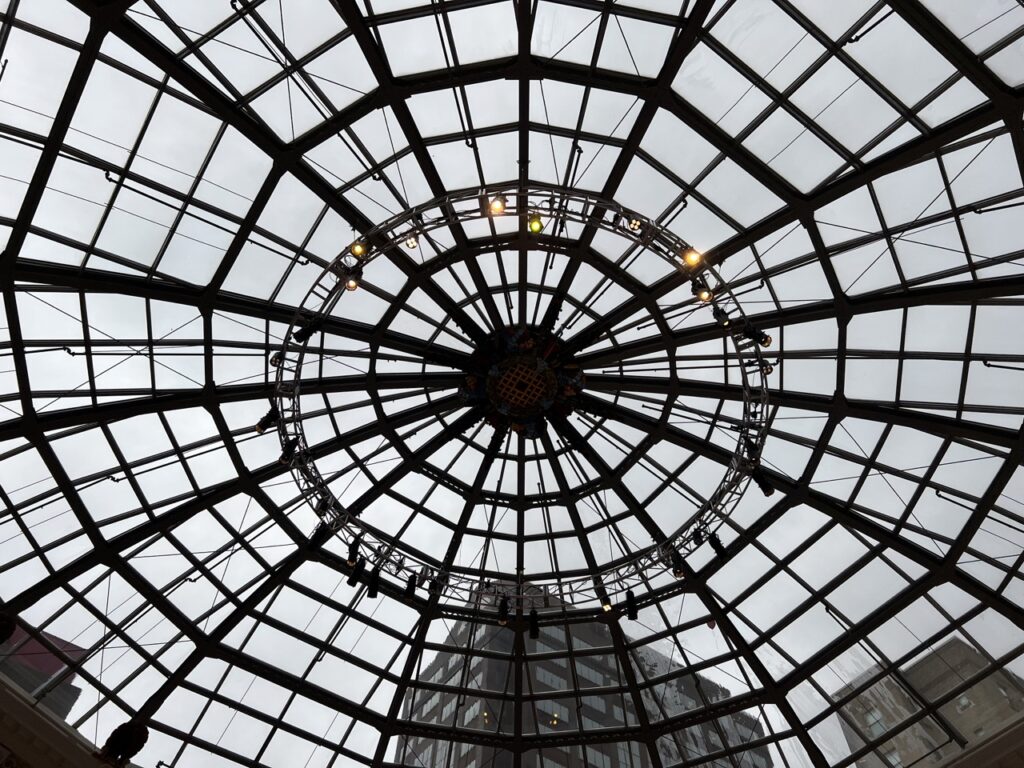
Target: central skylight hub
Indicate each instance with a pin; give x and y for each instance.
(522, 376)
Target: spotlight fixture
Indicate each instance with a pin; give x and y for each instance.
(498, 205)
(534, 625)
(503, 610)
(412, 242)
(535, 223)
(323, 506)
(373, 583)
(353, 276)
(410, 586)
(276, 360)
(716, 544)
(701, 290)
(767, 368)
(634, 224)
(757, 335)
(631, 612)
(269, 419)
(692, 257)
(602, 595)
(759, 477)
(678, 570)
(306, 330)
(288, 451)
(697, 537)
(358, 249)
(721, 316)
(357, 571)
(353, 551)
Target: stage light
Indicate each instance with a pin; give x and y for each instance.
(716, 544)
(358, 249)
(353, 277)
(410, 586)
(692, 257)
(534, 624)
(721, 316)
(678, 569)
(697, 537)
(755, 334)
(353, 551)
(767, 368)
(759, 477)
(269, 419)
(631, 612)
(412, 242)
(373, 583)
(535, 223)
(498, 205)
(701, 291)
(306, 330)
(503, 610)
(357, 571)
(288, 451)
(635, 224)
(276, 360)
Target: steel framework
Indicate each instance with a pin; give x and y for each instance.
(909, 494)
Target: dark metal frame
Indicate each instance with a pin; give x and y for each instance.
(887, 540)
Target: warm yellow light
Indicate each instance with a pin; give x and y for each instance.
(498, 204)
(412, 242)
(358, 249)
(351, 284)
(692, 258)
(705, 294)
(607, 607)
(635, 225)
(535, 223)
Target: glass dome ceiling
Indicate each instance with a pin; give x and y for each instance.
(177, 174)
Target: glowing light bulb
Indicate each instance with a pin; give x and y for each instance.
(412, 242)
(498, 205)
(692, 258)
(358, 249)
(535, 223)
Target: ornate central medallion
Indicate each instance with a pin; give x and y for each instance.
(521, 377)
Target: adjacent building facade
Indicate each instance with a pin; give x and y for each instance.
(35, 669)
(564, 660)
(973, 716)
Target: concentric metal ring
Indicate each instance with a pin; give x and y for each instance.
(561, 207)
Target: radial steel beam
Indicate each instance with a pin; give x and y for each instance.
(99, 281)
(162, 401)
(964, 292)
(285, 158)
(843, 513)
(776, 695)
(160, 524)
(910, 415)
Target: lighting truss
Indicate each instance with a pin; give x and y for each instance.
(561, 207)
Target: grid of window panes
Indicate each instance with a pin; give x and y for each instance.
(175, 174)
